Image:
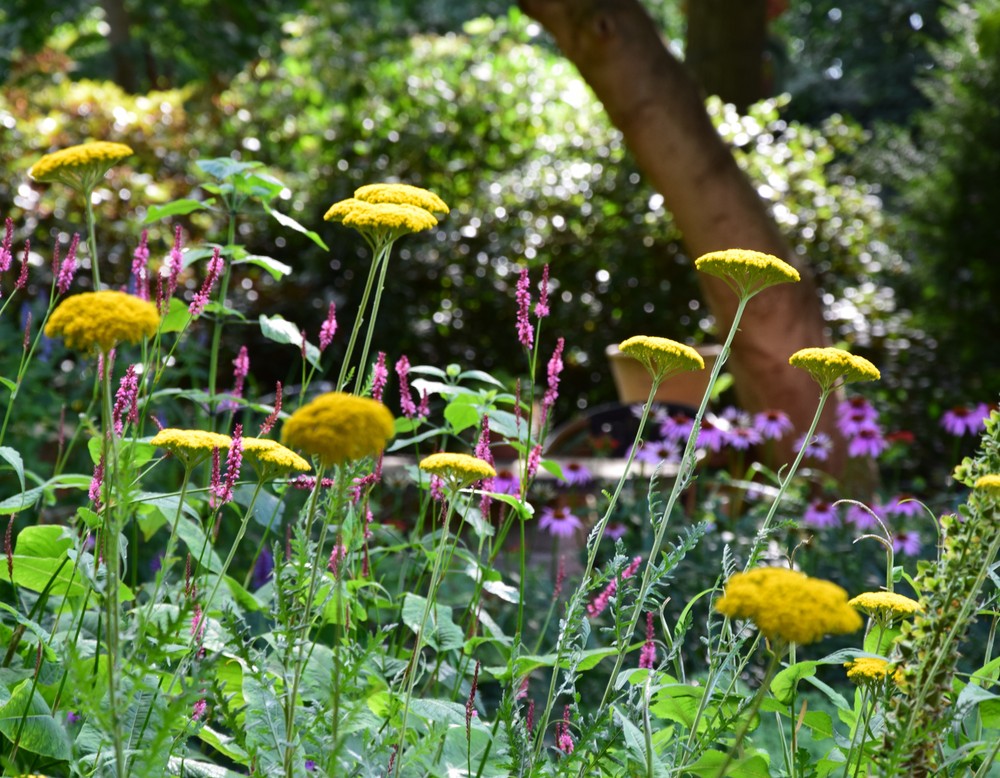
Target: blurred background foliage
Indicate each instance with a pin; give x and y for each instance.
(878, 158)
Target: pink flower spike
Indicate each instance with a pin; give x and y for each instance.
(405, 400)
(542, 306)
(174, 264)
(27, 336)
(380, 374)
(272, 417)
(337, 555)
(126, 401)
(234, 460)
(564, 739)
(647, 656)
(525, 332)
(6, 257)
(140, 267)
(96, 485)
(22, 278)
(329, 328)
(199, 710)
(554, 370)
(485, 453)
(241, 367)
(215, 267)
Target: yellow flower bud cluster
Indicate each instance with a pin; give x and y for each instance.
(102, 320)
(787, 605)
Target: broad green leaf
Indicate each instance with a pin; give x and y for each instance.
(221, 168)
(42, 733)
(288, 221)
(440, 711)
(278, 329)
(440, 632)
(176, 208)
(14, 460)
(525, 664)
(278, 270)
(461, 414)
(48, 541)
(34, 628)
(178, 317)
(635, 741)
(710, 762)
(479, 375)
(26, 499)
(785, 682)
(677, 702)
(525, 510)
(879, 640)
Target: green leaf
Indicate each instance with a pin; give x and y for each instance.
(14, 460)
(26, 499)
(194, 538)
(785, 683)
(586, 660)
(221, 168)
(278, 329)
(461, 414)
(266, 736)
(440, 632)
(42, 733)
(178, 317)
(879, 640)
(525, 510)
(45, 542)
(33, 627)
(710, 762)
(677, 702)
(439, 711)
(278, 270)
(8, 383)
(176, 208)
(288, 221)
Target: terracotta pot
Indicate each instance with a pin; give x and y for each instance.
(633, 381)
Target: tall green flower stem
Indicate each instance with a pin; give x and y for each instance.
(380, 252)
(218, 321)
(363, 362)
(109, 541)
(418, 645)
(685, 474)
(593, 543)
(92, 238)
(751, 712)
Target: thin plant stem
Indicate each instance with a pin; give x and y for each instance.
(92, 239)
(363, 362)
(218, 322)
(377, 258)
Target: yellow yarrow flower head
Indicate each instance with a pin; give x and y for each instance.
(102, 319)
(746, 272)
(989, 483)
(869, 670)
(457, 470)
(191, 446)
(401, 194)
(788, 606)
(832, 367)
(884, 607)
(662, 357)
(381, 223)
(339, 427)
(269, 458)
(79, 167)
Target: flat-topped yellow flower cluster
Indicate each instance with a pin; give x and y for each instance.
(339, 428)
(79, 167)
(102, 320)
(385, 211)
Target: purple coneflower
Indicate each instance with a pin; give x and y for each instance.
(656, 451)
(559, 522)
(904, 505)
(676, 426)
(965, 419)
(741, 438)
(868, 442)
(712, 436)
(863, 517)
(821, 514)
(819, 447)
(575, 474)
(906, 542)
(507, 482)
(615, 530)
(773, 424)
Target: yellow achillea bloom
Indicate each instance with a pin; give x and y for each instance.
(989, 483)
(885, 606)
(661, 356)
(459, 469)
(831, 365)
(746, 272)
(787, 605)
(191, 446)
(339, 427)
(269, 457)
(402, 194)
(79, 167)
(385, 221)
(102, 319)
(870, 670)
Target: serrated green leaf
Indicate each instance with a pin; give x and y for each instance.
(266, 736)
(176, 208)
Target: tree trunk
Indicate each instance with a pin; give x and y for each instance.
(724, 49)
(120, 45)
(660, 111)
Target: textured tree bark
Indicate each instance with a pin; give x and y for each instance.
(660, 111)
(725, 46)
